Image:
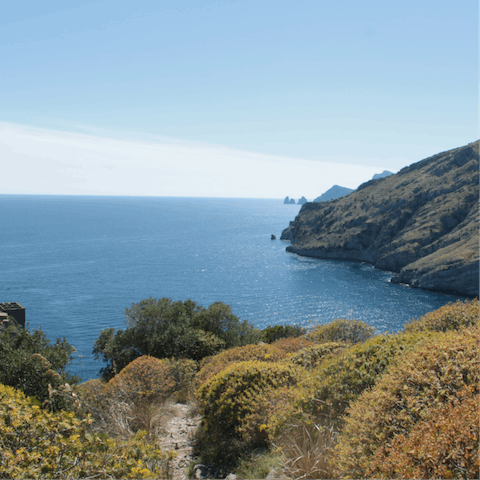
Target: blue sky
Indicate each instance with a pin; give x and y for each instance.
(230, 98)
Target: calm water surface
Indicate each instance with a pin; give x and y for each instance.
(76, 263)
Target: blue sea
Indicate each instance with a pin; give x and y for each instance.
(76, 264)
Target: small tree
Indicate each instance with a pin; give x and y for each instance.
(29, 362)
(162, 328)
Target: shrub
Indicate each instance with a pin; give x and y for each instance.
(426, 380)
(30, 362)
(261, 352)
(134, 399)
(165, 329)
(344, 331)
(311, 357)
(236, 408)
(292, 344)
(327, 390)
(276, 332)
(39, 444)
(145, 380)
(444, 446)
(449, 317)
(184, 371)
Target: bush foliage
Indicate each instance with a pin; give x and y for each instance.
(133, 400)
(162, 328)
(261, 352)
(39, 444)
(327, 391)
(276, 332)
(292, 344)
(236, 405)
(428, 379)
(449, 317)
(29, 362)
(311, 357)
(443, 446)
(144, 380)
(344, 331)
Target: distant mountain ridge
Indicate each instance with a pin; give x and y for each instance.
(421, 223)
(384, 174)
(334, 192)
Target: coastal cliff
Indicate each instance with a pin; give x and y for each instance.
(421, 223)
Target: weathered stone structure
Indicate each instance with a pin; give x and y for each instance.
(12, 309)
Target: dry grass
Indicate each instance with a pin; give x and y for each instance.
(120, 415)
(308, 451)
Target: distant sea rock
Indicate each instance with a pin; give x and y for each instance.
(384, 174)
(302, 201)
(421, 223)
(335, 192)
(289, 201)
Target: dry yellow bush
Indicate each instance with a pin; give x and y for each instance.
(422, 383)
(449, 317)
(261, 352)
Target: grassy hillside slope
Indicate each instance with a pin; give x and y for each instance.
(422, 223)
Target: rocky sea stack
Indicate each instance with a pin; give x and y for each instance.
(421, 223)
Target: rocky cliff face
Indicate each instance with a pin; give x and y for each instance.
(421, 223)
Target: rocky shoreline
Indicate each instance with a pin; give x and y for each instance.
(421, 223)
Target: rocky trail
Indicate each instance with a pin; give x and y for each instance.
(179, 428)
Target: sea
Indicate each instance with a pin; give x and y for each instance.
(77, 262)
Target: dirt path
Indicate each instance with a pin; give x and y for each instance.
(179, 430)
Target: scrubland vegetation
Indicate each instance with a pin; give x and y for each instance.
(338, 401)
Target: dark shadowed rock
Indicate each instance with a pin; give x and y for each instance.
(421, 223)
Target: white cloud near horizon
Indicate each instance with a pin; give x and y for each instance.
(36, 161)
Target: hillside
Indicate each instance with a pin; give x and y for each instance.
(421, 223)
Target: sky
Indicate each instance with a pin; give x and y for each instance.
(259, 99)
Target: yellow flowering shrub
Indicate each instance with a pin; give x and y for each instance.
(449, 317)
(236, 405)
(443, 446)
(312, 356)
(326, 391)
(261, 352)
(35, 443)
(407, 401)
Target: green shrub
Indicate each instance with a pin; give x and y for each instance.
(449, 317)
(428, 379)
(261, 352)
(236, 406)
(35, 443)
(276, 332)
(166, 329)
(29, 362)
(343, 331)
